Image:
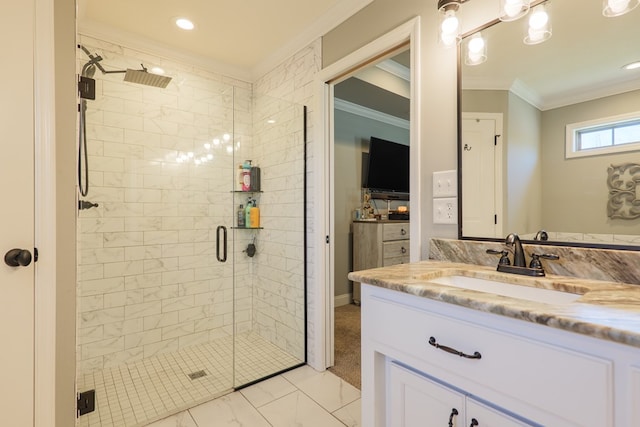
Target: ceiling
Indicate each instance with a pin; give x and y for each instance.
(239, 34)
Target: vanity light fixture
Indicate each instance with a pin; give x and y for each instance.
(476, 50)
(539, 25)
(449, 22)
(510, 10)
(611, 8)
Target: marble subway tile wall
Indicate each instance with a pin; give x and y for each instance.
(278, 293)
(149, 281)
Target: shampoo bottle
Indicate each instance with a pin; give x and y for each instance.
(254, 215)
(247, 214)
(241, 219)
(246, 175)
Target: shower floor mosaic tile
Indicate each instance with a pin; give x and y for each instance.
(146, 390)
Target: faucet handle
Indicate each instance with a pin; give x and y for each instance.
(535, 259)
(504, 256)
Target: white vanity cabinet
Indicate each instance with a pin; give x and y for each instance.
(417, 400)
(511, 372)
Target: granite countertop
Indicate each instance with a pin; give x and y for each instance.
(606, 310)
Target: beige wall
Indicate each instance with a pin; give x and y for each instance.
(65, 118)
(523, 200)
(575, 190)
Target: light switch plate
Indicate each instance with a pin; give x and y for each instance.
(445, 184)
(445, 211)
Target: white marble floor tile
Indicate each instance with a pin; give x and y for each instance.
(183, 419)
(330, 391)
(351, 414)
(267, 391)
(297, 410)
(230, 410)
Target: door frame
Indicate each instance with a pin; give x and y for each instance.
(323, 176)
(45, 216)
(497, 164)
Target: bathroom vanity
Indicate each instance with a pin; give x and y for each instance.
(552, 351)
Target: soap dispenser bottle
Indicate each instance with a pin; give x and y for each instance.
(254, 215)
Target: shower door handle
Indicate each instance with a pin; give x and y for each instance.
(222, 258)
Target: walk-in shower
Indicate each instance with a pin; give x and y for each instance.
(164, 321)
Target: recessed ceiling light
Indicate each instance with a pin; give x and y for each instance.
(632, 66)
(185, 24)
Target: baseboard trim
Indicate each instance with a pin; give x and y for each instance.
(344, 299)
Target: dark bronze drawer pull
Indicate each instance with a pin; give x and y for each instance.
(474, 422)
(454, 412)
(475, 355)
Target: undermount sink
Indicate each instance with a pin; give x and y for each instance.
(547, 296)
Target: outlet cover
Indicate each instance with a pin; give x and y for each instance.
(445, 184)
(445, 210)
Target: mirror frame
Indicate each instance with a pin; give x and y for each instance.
(459, 163)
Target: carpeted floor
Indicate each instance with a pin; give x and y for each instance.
(347, 344)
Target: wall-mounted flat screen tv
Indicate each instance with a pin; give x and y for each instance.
(387, 172)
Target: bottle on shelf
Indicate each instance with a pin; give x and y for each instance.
(247, 214)
(254, 215)
(246, 175)
(241, 217)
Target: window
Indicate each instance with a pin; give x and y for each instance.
(604, 136)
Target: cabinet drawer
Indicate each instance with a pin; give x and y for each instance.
(395, 249)
(396, 260)
(552, 379)
(395, 231)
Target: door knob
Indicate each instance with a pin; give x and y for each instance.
(17, 257)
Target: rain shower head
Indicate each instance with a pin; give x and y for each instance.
(146, 78)
(141, 76)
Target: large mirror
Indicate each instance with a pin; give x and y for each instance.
(518, 113)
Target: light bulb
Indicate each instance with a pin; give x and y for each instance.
(216, 141)
(450, 23)
(476, 45)
(207, 146)
(512, 8)
(210, 156)
(618, 6)
(538, 20)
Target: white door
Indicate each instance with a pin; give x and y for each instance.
(416, 401)
(479, 210)
(17, 212)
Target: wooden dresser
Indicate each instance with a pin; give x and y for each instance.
(378, 244)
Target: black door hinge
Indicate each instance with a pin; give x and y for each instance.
(86, 402)
(495, 139)
(326, 239)
(495, 219)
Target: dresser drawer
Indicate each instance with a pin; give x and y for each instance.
(396, 260)
(395, 231)
(552, 379)
(395, 249)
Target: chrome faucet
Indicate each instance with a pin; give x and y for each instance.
(513, 240)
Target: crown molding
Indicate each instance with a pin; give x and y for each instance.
(396, 69)
(359, 110)
(335, 16)
(146, 45)
(339, 13)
